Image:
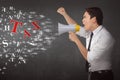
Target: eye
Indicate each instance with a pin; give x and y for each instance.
(83, 17)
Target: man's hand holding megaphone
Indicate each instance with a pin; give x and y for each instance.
(73, 37)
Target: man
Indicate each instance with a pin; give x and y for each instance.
(99, 43)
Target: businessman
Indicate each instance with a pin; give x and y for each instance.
(99, 43)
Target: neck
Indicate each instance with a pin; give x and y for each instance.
(94, 27)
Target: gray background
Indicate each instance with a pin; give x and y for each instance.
(63, 60)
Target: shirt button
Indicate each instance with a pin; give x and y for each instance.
(89, 65)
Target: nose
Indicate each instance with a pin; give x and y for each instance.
(83, 21)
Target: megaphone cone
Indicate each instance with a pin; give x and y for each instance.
(62, 28)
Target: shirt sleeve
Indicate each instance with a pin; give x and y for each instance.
(82, 32)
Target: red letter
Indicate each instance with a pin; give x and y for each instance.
(35, 25)
(26, 33)
(16, 23)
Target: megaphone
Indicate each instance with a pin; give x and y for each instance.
(62, 28)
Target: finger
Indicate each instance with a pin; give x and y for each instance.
(70, 32)
(70, 37)
(60, 9)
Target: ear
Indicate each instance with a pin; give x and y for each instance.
(94, 20)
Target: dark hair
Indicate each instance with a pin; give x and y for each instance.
(96, 12)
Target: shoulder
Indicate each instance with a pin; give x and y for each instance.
(104, 32)
(106, 35)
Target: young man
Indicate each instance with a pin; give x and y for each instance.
(99, 43)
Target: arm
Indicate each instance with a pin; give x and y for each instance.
(72, 35)
(69, 20)
(81, 47)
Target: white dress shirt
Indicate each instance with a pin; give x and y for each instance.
(102, 43)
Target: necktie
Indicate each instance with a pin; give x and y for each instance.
(87, 64)
(90, 41)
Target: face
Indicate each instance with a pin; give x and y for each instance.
(87, 21)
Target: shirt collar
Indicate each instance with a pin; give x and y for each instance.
(97, 29)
